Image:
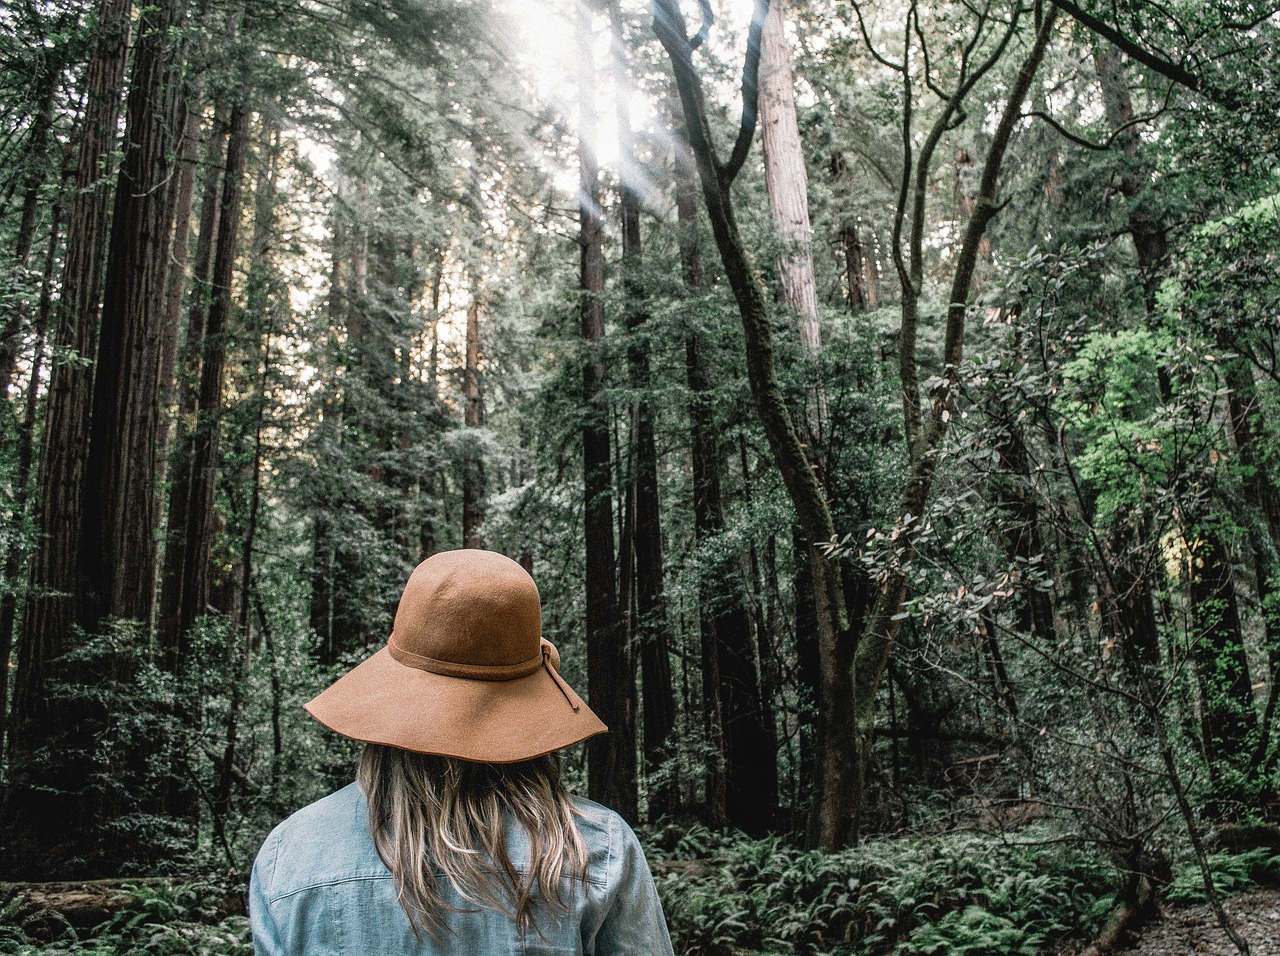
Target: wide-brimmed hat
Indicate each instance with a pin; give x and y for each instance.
(466, 672)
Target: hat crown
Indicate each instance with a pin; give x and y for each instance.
(470, 607)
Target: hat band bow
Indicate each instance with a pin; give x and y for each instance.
(547, 657)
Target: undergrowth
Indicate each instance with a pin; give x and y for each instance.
(963, 893)
(1232, 873)
(165, 920)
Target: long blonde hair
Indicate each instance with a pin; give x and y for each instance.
(429, 813)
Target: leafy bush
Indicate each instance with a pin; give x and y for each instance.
(959, 893)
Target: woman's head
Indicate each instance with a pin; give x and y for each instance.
(430, 813)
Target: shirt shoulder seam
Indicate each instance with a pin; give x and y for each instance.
(373, 877)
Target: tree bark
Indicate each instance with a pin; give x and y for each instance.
(786, 178)
(171, 621)
(859, 271)
(192, 517)
(50, 816)
(36, 162)
(1262, 498)
(1228, 719)
(1144, 223)
(176, 284)
(22, 479)
(117, 552)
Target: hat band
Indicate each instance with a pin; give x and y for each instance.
(465, 671)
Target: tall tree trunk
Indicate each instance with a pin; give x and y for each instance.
(650, 622)
(1023, 541)
(22, 479)
(786, 178)
(1262, 499)
(1228, 720)
(1145, 226)
(323, 563)
(171, 622)
(706, 490)
(192, 513)
(117, 548)
(836, 782)
(742, 791)
(176, 285)
(50, 816)
(859, 270)
(787, 183)
(611, 758)
(36, 161)
(473, 418)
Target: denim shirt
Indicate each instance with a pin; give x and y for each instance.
(318, 888)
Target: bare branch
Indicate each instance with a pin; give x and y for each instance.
(866, 40)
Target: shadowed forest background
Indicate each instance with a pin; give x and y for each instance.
(882, 395)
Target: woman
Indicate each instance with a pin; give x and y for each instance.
(458, 836)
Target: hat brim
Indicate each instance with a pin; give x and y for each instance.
(382, 701)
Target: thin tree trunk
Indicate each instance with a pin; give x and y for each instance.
(650, 631)
(611, 758)
(473, 485)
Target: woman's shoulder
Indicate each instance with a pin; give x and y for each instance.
(341, 809)
(595, 819)
(612, 846)
(325, 841)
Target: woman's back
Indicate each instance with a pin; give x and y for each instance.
(319, 879)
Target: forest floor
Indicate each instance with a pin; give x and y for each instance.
(1194, 929)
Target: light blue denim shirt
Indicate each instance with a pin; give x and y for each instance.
(319, 888)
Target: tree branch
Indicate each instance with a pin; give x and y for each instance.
(750, 96)
(1165, 67)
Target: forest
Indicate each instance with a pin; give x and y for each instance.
(884, 395)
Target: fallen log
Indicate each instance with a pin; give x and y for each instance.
(1124, 920)
(46, 910)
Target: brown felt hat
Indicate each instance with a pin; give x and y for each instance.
(465, 673)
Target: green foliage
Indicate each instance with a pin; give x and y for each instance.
(957, 893)
(160, 920)
(1232, 873)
